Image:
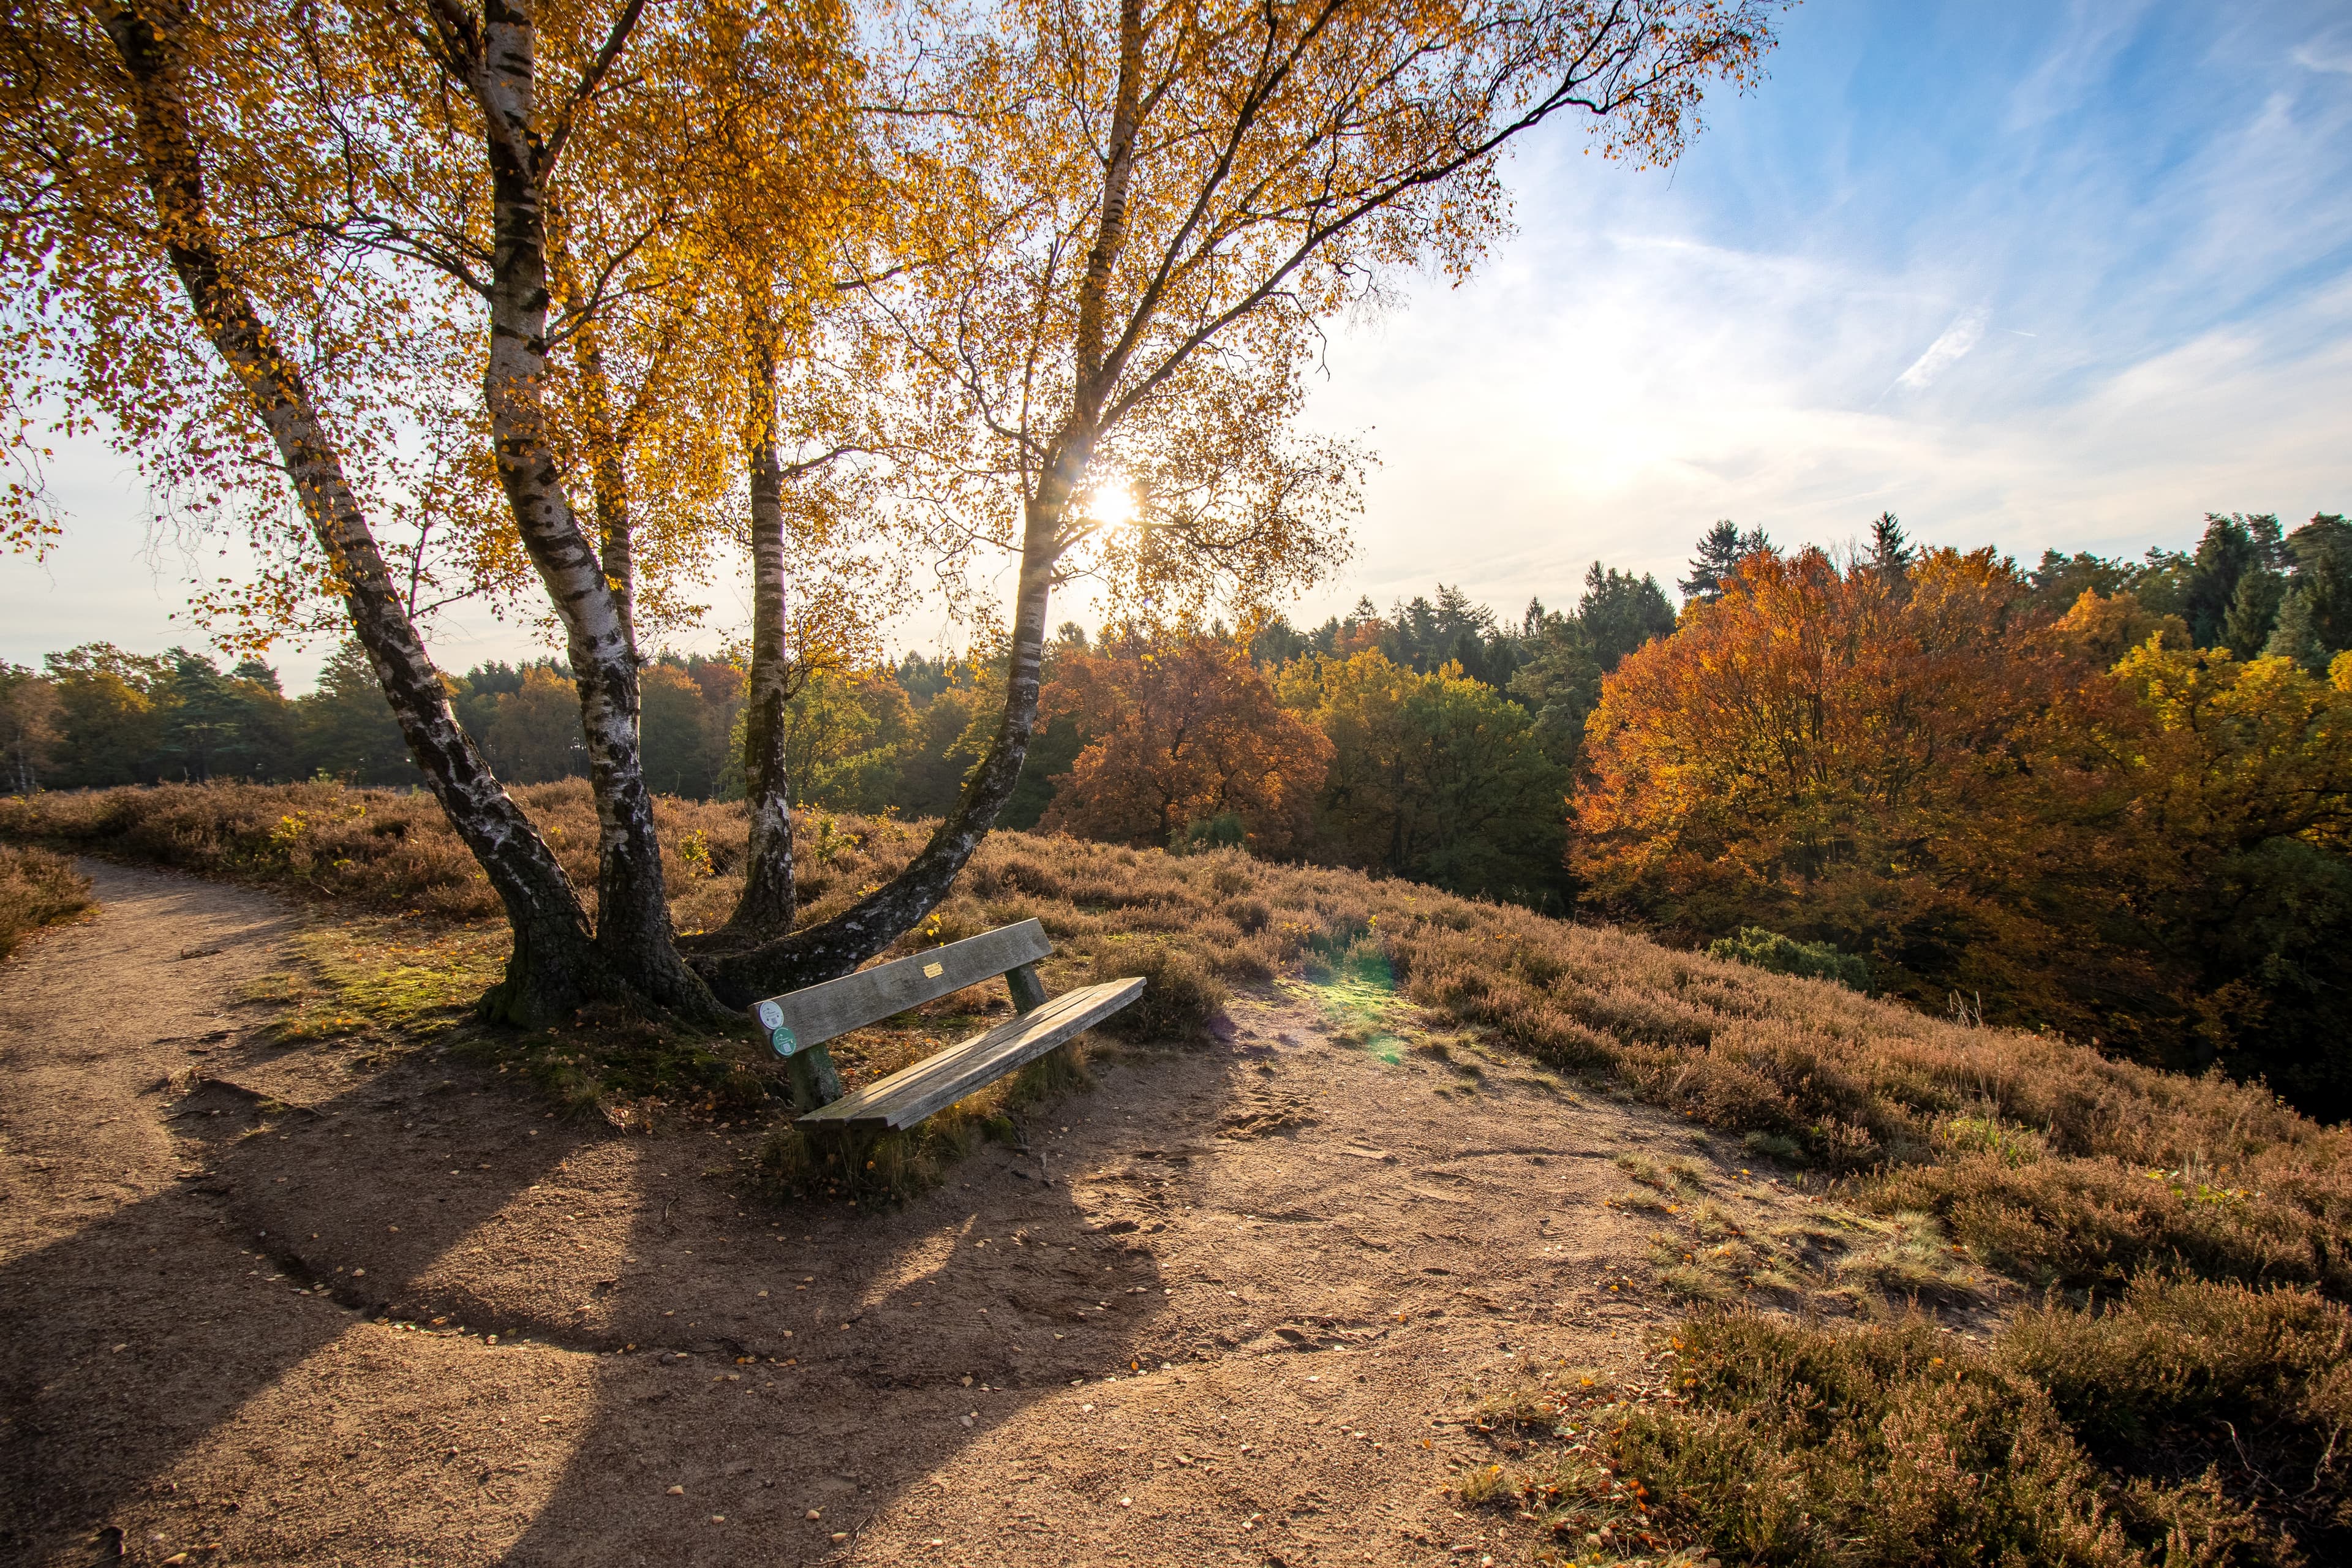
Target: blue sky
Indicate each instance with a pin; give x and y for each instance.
(2024, 274)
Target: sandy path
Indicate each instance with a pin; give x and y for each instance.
(1223, 1311)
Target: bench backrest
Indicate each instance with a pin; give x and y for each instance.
(818, 1012)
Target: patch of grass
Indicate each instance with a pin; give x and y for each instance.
(2010, 1144)
(1696, 1278)
(1352, 985)
(414, 980)
(1773, 1146)
(281, 989)
(382, 985)
(1546, 1422)
(1541, 1400)
(1483, 1484)
(877, 1170)
(1058, 1074)
(37, 889)
(1833, 1262)
(629, 1071)
(1908, 1258)
(1643, 1170)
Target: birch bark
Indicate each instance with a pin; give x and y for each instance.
(551, 969)
(633, 935)
(770, 897)
(875, 921)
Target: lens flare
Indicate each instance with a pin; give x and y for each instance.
(1113, 505)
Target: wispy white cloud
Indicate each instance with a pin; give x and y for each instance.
(1949, 349)
(2095, 30)
(1643, 361)
(1604, 394)
(2328, 54)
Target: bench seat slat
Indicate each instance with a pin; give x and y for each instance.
(914, 1092)
(818, 1012)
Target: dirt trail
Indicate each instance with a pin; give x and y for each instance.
(1222, 1309)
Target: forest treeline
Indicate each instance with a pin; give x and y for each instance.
(2102, 797)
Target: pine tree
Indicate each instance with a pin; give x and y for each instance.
(1620, 612)
(2254, 610)
(2296, 636)
(1890, 552)
(2233, 547)
(1720, 551)
(2270, 541)
(2322, 550)
(1561, 684)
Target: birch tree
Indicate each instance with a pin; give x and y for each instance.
(251, 242)
(1135, 219)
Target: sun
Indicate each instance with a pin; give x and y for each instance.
(1113, 504)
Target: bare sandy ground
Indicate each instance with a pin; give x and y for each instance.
(269, 1306)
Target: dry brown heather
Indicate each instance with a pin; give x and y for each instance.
(2046, 1159)
(2208, 1223)
(38, 888)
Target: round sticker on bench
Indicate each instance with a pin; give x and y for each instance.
(785, 1041)
(771, 1015)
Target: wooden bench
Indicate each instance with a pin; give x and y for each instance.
(800, 1021)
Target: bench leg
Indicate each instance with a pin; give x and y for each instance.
(815, 1083)
(1028, 991)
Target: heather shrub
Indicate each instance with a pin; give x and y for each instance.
(366, 849)
(2189, 1422)
(2095, 1224)
(1889, 1446)
(2184, 1379)
(1786, 955)
(1248, 915)
(1182, 994)
(37, 889)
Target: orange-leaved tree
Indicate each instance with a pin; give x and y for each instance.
(2151, 855)
(1184, 731)
(1807, 724)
